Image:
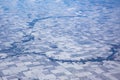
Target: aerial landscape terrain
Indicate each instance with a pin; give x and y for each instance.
(59, 39)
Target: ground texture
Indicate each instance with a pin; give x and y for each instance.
(59, 40)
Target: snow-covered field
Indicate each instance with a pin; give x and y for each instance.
(75, 31)
(62, 29)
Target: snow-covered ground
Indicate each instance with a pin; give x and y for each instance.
(62, 31)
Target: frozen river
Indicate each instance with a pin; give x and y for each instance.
(79, 32)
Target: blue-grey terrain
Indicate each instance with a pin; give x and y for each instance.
(59, 39)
